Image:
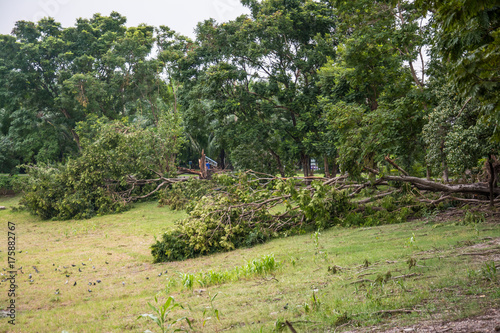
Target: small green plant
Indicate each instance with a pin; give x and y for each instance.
(187, 280)
(317, 247)
(211, 310)
(402, 285)
(279, 325)
(171, 282)
(313, 305)
(259, 266)
(472, 218)
(161, 315)
(264, 265)
(411, 242)
(412, 262)
(315, 238)
(489, 272)
(315, 302)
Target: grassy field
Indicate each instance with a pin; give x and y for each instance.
(338, 279)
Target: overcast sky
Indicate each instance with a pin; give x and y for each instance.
(180, 15)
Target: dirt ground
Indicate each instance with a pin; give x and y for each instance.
(489, 322)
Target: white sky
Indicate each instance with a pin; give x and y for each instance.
(180, 15)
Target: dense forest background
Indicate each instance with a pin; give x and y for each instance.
(346, 84)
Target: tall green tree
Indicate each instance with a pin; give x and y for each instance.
(252, 82)
(468, 38)
(54, 77)
(373, 92)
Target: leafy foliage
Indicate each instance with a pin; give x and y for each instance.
(161, 315)
(183, 194)
(51, 78)
(248, 210)
(455, 137)
(250, 83)
(468, 38)
(103, 179)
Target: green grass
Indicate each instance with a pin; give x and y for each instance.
(337, 277)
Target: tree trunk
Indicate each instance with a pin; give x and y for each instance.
(305, 165)
(446, 178)
(203, 165)
(327, 169)
(424, 184)
(77, 140)
(278, 161)
(491, 181)
(222, 157)
(444, 163)
(335, 167)
(428, 173)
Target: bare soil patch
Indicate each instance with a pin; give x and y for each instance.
(489, 322)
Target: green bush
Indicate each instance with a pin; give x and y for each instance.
(10, 184)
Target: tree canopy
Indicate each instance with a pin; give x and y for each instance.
(358, 86)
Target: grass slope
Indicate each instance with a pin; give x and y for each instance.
(340, 278)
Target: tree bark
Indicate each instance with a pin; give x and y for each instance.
(424, 184)
(335, 167)
(77, 140)
(491, 181)
(203, 165)
(181, 170)
(327, 169)
(305, 165)
(444, 163)
(222, 158)
(391, 162)
(445, 171)
(278, 161)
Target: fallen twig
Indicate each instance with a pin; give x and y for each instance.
(396, 311)
(362, 281)
(480, 253)
(290, 326)
(405, 276)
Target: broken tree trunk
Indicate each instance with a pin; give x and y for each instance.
(181, 170)
(203, 165)
(429, 185)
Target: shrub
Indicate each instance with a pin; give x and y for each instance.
(10, 184)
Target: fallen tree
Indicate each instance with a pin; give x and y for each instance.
(487, 189)
(250, 207)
